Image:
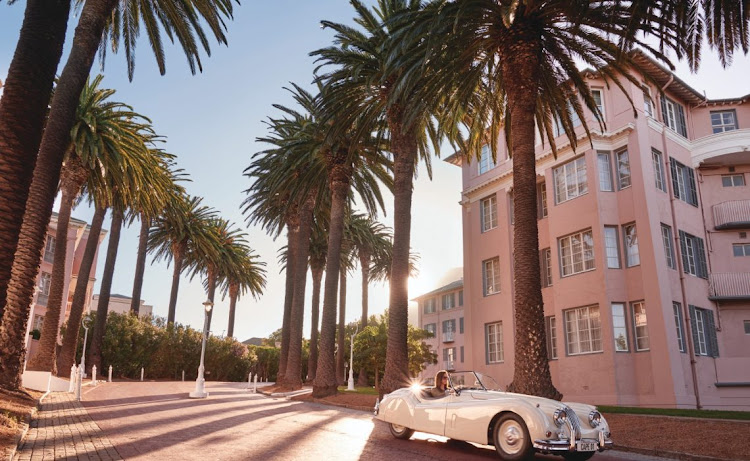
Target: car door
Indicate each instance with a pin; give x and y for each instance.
(466, 418)
(429, 415)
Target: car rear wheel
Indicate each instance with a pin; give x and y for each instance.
(511, 438)
(400, 432)
(580, 456)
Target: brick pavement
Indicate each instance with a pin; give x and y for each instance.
(63, 430)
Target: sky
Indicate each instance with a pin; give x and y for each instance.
(211, 121)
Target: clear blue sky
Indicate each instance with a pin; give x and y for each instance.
(211, 121)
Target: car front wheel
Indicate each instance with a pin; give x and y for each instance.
(511, 438)
(400, 432)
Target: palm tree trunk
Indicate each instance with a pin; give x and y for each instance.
(404, 148)
(364, 262)
(72, 178)
(325, 383)
(140, 265)
(43, 188)
(23, 108)
(178, 256)
(341, 349)
(70, 340)
(531, 373)
(97, 338)
(292, 235)
(293, 375)
(312, 361)
(234, 291)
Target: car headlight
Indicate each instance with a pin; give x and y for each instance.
(559, 417)
(595, 418)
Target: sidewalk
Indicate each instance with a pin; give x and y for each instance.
(64, 430)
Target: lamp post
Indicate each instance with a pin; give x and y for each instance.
(199, 392)
(85, 324)
(350, 386)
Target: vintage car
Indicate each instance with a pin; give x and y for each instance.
(518, 425)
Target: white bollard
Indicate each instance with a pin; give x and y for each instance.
(79, 383)
(249, 380)
(255, 385)
(93, 375)
(109, 378)
(183, 375)
(73, 371)
(141, 373)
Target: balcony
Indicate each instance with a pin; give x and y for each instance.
(729, 286)
(734, 214)
(448, 365)
(448, 336)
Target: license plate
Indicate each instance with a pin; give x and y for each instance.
(587, 446)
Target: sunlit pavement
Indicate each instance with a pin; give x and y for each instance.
(157, 420)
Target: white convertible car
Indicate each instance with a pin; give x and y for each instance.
(518, 425)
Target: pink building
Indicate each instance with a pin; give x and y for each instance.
(441, 312)
(643, 246)
(78, 235)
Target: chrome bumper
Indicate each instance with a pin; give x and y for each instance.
(565, 445)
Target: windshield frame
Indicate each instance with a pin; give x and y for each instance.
(486, 382)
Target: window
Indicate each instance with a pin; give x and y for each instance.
(747, 326)
(640, 326)
(461, 298)
(49, 249)
(583, 330)
(545, 260)
(449, 326)
(486, 162)
(598, 96)
(38, 322)
(570, 180)
(449, 301)
(657, 160)
(45, 279)
(632, 256)
(612, 247)
(734, 180)
(541, 198)
(488, 213)
(693, 255)
(683, 182)
(449, 356)
(725, 120)
(491, 276)
(461, 325)
(429, 306)
(605, 171)
(623, 169)
(666, 238)
(704, 331)
(494, 342)
(550, 324)
(741, 249)
(511, 207)
(431, 327)
(648, 103)
(557, 126)
(462, 354)
(673, 115)
(619, 328)
(678, 323)
(576, 253)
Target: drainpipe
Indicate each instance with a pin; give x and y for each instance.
(709, 247)
(676, 237)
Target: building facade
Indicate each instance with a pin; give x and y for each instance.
(441, 312)
(644, 250)
(121, 305)
(78, 235)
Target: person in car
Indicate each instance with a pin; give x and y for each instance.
(441, 385)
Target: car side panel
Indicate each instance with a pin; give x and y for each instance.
(429, 416)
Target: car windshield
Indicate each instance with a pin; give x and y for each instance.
(473, 380)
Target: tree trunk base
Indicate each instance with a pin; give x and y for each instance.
(320, 392)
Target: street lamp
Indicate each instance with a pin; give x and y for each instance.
(85, 323)
(199, 392)
(350, 387)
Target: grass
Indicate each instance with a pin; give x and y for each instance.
(360, 390)
(684, 412)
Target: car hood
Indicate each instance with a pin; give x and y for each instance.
(548, 405)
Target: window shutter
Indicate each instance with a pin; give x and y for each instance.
(462, 354)
(693, 199)
(445, 326)
(663, 109)
(486, 345)
(681, 127)
(484, 278)
(702, 268)
(693, 328)
(683, 251)
(461, 325)
(461, 298)
(548, 336)
(675, 184)
(713, 343)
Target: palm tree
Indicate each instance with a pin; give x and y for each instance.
(105, 133)
(182, 223)
(23, 108)
(247, 275)
(182, 18)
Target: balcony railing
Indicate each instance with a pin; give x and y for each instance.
(448, 365)
(732, 215)
(448, 336)
(42, 299)
(729, 286)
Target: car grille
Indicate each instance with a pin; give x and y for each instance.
(574, 421)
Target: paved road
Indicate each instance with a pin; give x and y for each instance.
(158, 421)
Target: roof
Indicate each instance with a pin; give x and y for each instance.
(445, 288)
